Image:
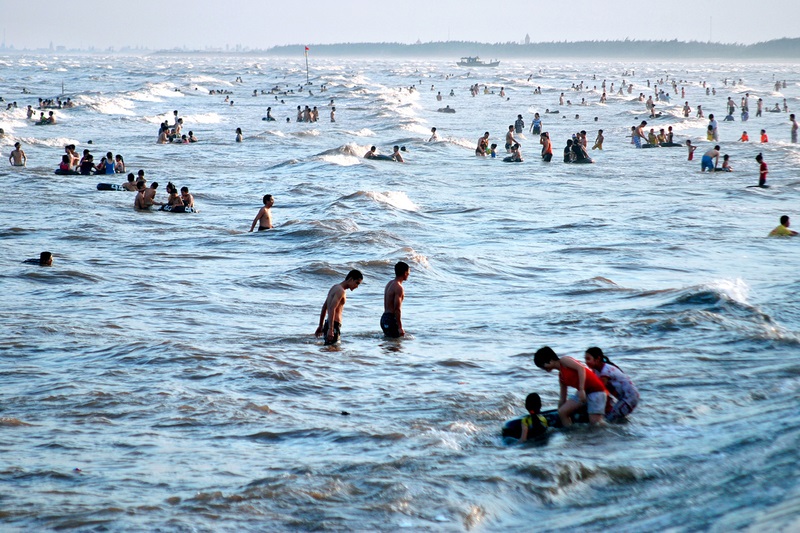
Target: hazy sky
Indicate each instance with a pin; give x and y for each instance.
(264, 23)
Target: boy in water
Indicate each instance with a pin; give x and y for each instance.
(263, 217)
(534, 425)
(598, 142)
(691, 149)
(762, 171)
(591, 391)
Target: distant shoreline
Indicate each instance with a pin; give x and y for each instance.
(776, 49)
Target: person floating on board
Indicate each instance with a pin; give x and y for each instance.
(393, 296)
(330, 317)
(591, 391)
(534, 425)
(616, 381)
(782, 230)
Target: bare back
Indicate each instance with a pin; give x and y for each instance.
(393, 297)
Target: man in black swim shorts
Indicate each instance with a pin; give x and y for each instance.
(330, 318)
(393, 295)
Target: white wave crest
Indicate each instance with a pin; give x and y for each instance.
(396, 199)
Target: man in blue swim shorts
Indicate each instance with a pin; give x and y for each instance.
(710, 159)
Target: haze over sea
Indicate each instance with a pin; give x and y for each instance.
(163, 373)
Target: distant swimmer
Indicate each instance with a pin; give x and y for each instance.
(710, 160)
(269, 117)
(46, 259)
(139, 202)
(393, 295)
(547, 147)
(434, 136)
(371, 153)
(762, 171)
(691, 149)
(330, 318)
(17, 158)
(516, 155)
(186, 196)
(396, 155)
(536, 125)
(130, 185)
(782, 230)
(794, 128)
(483, 145)
(333, 113)
(598, 142)
(510, 140)
(519, 124)
(239, 136)
(446, 109)
(264, 216)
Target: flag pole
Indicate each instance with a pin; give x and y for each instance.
(306, 52)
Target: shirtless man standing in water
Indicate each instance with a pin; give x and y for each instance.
(393, 295)
(18, 157)
(330, 318)
(264, 216)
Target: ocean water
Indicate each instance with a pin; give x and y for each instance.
(163, 374)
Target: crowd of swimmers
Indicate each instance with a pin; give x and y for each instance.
(174, 133)
(85, 165)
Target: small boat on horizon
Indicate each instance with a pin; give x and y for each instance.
(476, 62)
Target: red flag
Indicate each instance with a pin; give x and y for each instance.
(306, 48)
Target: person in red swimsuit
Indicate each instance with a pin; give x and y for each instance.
(571, 373)
(762, 170)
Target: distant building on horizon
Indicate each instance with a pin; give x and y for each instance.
(527, 39)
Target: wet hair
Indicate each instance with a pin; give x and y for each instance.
(597, 353)
(401, 268)
(266, 199)
(784, 220)
(759, 158)
(154, 185)
(533, 402)
(171, 188)
(45, 258)
(543, 356)
(65, 158)
(141, 172)
(372, 148)
(355, 275)
(716, 147)
(185, 190)
(396, 148)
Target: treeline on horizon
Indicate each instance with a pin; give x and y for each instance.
(785, 48)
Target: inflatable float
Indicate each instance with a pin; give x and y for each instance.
(512, 429)
(109, 187)
(177, 209)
